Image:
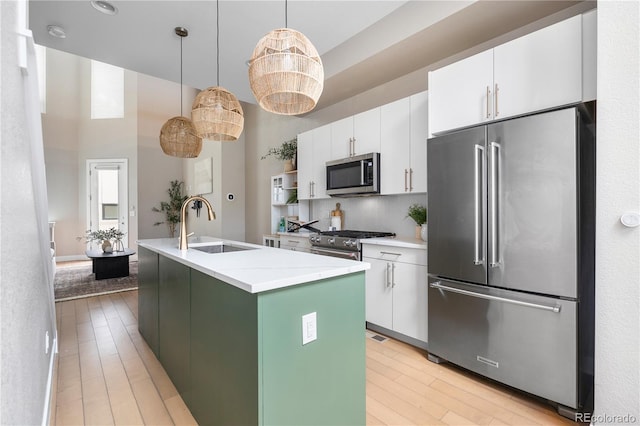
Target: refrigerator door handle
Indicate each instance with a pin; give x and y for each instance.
(478, 258)
(494, 261)
(438, 285)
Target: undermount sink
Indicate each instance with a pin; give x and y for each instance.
(221, 248)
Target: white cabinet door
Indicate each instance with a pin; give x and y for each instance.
(458, 93)
(410, 300)
(366, 132)
(321, 154)
(341, 138)
(378, 296)
(395, 147)
(419, 129)
(540, 70)
(305, 164)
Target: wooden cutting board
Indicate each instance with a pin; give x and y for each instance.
(339, 213)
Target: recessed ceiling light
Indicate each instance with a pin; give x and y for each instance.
(104, 7)
(56, 31)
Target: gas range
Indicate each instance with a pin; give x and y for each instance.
(342, 243)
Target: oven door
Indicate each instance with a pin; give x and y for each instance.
(343, 254)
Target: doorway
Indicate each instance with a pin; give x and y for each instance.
(107, 195)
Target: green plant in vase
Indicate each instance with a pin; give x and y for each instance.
(418, 213)
(172, 207)
(287, 152)
(106, 237)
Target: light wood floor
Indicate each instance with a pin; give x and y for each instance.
(106, 374)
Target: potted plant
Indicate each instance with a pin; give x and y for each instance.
(418, 213)
(105, 236)
(287, 152)
(172, 207)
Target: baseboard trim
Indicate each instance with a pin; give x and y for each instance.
(49, 395)
(71, 257)
(398, 336)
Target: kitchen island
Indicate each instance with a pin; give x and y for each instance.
(228, 329)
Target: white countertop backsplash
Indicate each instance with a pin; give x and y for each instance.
(254, 271)
(384, 213)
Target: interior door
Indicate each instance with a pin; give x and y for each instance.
(108, 196)
(456, 189)
(532, 215)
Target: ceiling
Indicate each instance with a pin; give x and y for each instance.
(362, 43)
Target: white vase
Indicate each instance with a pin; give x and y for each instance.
(107, 247)
(423, 232)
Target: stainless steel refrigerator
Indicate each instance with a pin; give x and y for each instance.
(511, 253)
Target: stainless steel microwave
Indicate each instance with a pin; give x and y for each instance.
(358, 175)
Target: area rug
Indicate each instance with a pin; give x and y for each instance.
(74, 282)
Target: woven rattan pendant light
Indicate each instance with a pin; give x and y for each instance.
(178, 136)
(216, 112)
(285, 72)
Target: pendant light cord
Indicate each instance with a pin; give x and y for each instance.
(217, 43)
(286, 10)
(181, 76)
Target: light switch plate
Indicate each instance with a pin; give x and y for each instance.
(309, 328)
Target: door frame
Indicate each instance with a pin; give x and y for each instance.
(123, 192)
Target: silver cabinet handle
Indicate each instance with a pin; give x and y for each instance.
(388, 283)
(353, 146)
(495, 205)
(393, 275)
(488, 99)
(410, 179)
(406, 173)
(390, 253)
(495, 94)
(478, 258)
(438, 285)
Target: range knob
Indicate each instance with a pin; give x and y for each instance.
(314, 239)
(331, 241)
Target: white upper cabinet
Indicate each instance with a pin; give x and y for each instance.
(342, 138)
(403, 150)
(535, 72)
(419, 128)
(314, 150)
(539, 71)
(321, 154)
(305, 164)
(366, 132)
(395, 151)
(356, 135)
(459, 94)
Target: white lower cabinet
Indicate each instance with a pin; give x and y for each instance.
(396, 289)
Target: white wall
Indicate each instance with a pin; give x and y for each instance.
(60, 126)
(158, 101)
(228, 171)
(617, 360)
(26, 292)
(71, 137)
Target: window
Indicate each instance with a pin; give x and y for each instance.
(107, 91)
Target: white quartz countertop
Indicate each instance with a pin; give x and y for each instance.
(258, 270)
(396, 242)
